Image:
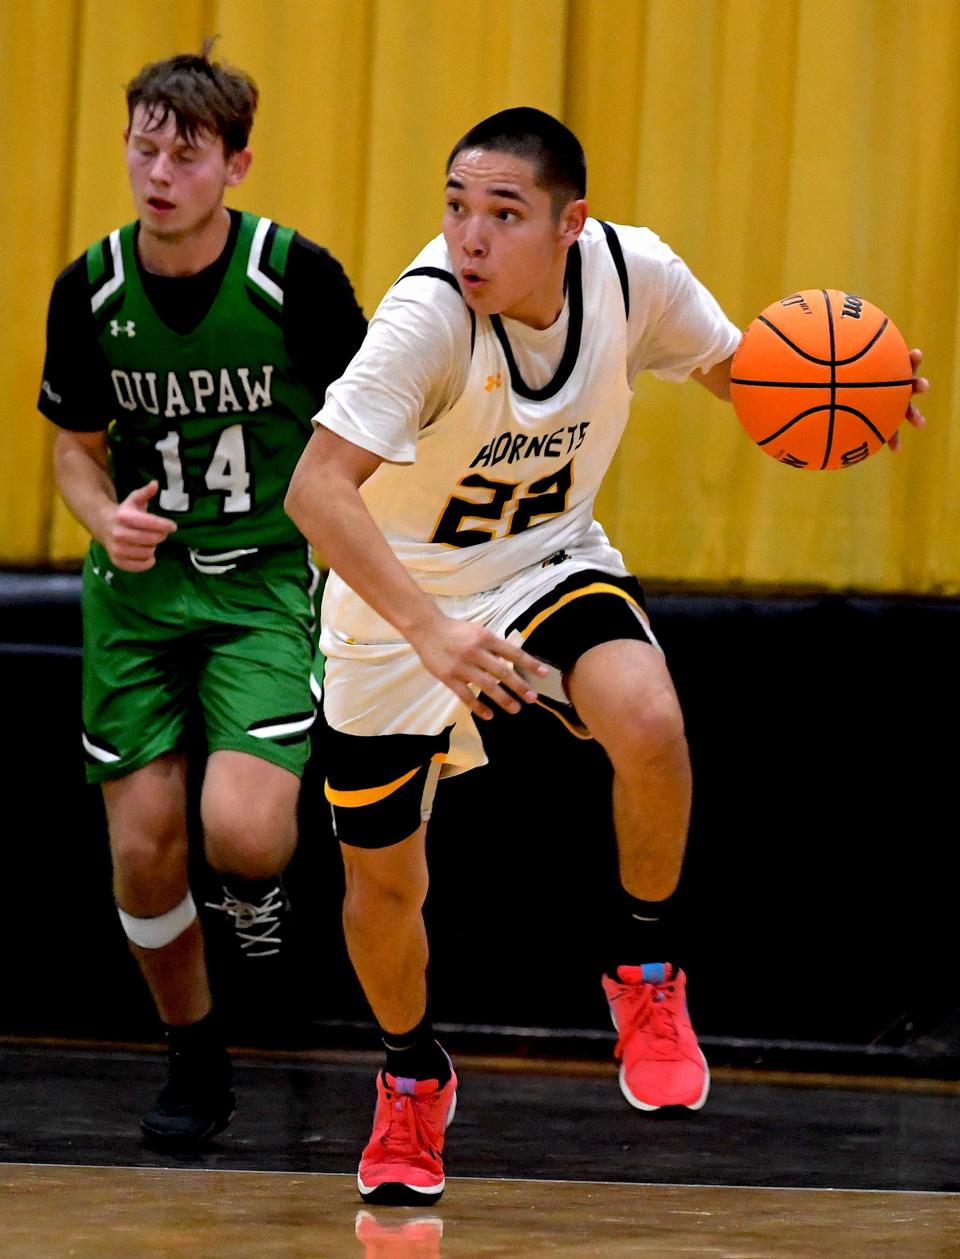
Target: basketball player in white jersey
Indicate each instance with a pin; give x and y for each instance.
(449, 485)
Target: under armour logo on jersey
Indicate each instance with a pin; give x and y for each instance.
(493, 382)
(130, 328)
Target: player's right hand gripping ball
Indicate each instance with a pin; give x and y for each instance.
(821, 379)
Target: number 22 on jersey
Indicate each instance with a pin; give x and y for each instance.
(522, 504)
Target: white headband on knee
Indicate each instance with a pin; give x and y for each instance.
(155, 933)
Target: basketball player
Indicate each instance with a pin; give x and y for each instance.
(186, 353)
(450, 486)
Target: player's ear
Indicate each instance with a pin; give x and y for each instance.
(573, 218)
(237, 166)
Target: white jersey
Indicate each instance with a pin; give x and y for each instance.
(496, 436)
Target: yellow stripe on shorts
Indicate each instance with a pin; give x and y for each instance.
(595, 588)
(360, 796)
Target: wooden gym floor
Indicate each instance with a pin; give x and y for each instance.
(544, 1159)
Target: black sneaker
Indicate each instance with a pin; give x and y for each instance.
(195, 1104)
(258, 921)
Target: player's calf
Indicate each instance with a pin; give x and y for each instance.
(197, 1100)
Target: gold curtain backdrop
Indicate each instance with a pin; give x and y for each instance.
(775, 144)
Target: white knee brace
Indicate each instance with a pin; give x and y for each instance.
(154, 933)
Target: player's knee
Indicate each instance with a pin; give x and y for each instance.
(382, 893)
(255, 843)
(644, 733)
(251, 852)
(150, 861)
(159, 930)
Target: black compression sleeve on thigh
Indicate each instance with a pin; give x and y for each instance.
(381, 788)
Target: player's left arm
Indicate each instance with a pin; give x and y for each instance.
(716, 379)
(676, 328)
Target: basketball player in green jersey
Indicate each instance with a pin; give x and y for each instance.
(186, 353)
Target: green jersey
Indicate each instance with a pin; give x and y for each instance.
(216, 414)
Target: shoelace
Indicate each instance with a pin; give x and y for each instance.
(246, 915)
(409, 1131)
(644, 1009)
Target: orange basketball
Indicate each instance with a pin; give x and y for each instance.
(821, 379)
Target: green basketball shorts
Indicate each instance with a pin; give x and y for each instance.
(229, 638)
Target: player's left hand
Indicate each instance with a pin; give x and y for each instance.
(920, 385)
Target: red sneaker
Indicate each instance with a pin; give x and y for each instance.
(661, 1062)
(402, 1164)
(418, 1238)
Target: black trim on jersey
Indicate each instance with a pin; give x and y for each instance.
(571, 350)
(264, 263)
(439, 274)
(265, 308)
(613, 242)
(473, 330)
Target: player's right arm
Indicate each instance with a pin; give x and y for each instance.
(75, 396)
(127, 530)
(409, 370)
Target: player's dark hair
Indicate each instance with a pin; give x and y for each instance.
(202, 95)
(556, 153)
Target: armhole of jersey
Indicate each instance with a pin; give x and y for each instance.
(267, 261)
(279, 250)
(613, 244)
(439, 274)
(105, 273)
